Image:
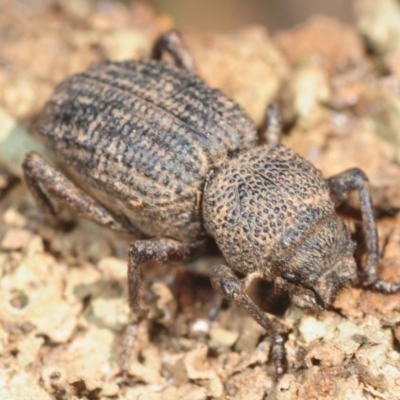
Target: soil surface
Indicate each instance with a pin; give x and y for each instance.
(63, 300)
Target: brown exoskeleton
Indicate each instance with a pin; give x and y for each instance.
(151, 149)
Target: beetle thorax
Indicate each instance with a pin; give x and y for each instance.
(271, 212)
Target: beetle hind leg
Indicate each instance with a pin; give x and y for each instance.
(172, 43)
(46, 183)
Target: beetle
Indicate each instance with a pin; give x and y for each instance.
(148, 148)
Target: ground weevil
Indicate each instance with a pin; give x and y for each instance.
(149, 148)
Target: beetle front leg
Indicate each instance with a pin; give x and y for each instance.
(162, 250)
(355, 179)
(340, 185)
(227, 284)
(172, 43)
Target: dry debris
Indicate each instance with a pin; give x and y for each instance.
(63, 302)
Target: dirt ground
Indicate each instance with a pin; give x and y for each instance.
(63, 302)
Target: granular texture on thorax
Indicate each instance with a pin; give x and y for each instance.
(269, 199)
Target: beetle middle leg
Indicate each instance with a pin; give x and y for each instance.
(227, 284)
(172, 43)
(340, 185)
(163, 250)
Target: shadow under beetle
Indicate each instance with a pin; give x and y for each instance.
(149, 148)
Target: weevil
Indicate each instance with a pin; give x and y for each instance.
(148, 148)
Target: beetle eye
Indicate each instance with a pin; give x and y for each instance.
(290, 277)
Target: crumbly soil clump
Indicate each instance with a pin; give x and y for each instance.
(63, 295)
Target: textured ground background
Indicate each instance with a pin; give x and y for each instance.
(63, 301)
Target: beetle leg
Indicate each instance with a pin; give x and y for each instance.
(162, 250)
(172, 43)
(272, 129)
(340, 185)
(227, 284)
(46, 182)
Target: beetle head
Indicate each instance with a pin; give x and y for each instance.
(315, 270)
